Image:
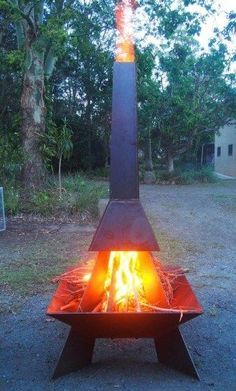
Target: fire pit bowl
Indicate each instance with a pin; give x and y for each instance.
(162, 325)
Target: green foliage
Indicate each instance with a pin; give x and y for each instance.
(230, 29)
(79, 196)
(12, 199)
(15, 58)
(192, 94)
(10, 158)
(183, 93)
(57, 142)
(100, 172)
(204, 175)
(187, 177)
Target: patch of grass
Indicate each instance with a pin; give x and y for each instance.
(79, 196)
(187, 177)
(27, 276)
(205, 175)
(27, 265)
(27, 279)
(12, 199)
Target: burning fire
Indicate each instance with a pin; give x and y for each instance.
(119, 281)
(124, 282)
(125, 45)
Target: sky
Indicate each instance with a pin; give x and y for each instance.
(219, 20)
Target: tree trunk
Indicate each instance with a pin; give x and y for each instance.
(170, 162)
(33, 115)
(89, 134)
(148, 159)
(59, 176)
(149, 175)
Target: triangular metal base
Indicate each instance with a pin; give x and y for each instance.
(171, 351)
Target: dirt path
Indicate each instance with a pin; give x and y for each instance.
(196, 227)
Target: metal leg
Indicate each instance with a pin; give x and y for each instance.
(77, 353)
(172, 351)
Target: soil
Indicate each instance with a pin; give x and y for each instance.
(196, 227)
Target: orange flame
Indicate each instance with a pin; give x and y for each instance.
(124, 282)
(125, 44)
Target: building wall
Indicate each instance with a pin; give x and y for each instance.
(225, 164)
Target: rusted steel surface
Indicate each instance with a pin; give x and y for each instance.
(125, 227)
(124, 183)
(173, 352)
(136, 325)
(161, 325)
(95, 289)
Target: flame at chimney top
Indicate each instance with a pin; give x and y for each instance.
(125, 42)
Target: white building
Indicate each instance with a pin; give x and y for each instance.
(225, 151)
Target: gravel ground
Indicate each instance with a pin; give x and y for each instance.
(201, 221)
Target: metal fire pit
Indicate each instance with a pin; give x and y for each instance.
(125, 227)
(162, 326)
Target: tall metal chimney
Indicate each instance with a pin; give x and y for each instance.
(124, 225)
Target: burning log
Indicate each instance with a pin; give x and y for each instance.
(136, 296)
(110, 302)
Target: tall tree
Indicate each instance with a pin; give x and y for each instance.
(39, 32)
(191, 94)
(82, 82)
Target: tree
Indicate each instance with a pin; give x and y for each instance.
(79, 37)
(82, 83)
(230, 29)
(169, 22)
(39, 32)
(146, 64)
(192, 93)
(57, 142)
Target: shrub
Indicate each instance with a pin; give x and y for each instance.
(10, 158)
(12, 200)
(164, 175)
(185, 178)
(188, 177)
(100, 172)
(205, 174)
(79, 195)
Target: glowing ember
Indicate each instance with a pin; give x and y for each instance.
(125, 44)
(124, 283)
(87, 277)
